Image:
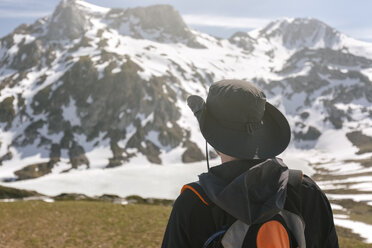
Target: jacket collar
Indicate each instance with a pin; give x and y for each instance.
(228, 171)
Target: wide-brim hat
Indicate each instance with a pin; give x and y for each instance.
(237, 120)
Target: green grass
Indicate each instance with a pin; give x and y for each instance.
(97, 224)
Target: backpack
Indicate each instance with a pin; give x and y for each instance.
(284, 230)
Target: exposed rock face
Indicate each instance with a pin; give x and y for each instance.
(5, 157)
(363, 142)
(243, 40)
(34, 171)
(311, 134)
(301, 32)
(7, 112)
(28, 56)
(192, 153)
(67, 22)
(77, 156)
(323, 58)
(160, 23)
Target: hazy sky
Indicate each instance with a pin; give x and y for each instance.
(217, 17)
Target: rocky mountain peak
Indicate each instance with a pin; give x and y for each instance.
(243, 40)
(67, 21)
(164, 16)
(301, 32)
(161, 23)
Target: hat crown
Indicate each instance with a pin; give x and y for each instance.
(236, 101)
(237, 120)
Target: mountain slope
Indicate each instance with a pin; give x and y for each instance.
(91, 87)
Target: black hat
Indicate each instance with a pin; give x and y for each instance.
(237, 120)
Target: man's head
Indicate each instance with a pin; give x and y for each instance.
(237, 121)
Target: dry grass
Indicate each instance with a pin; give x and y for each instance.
(12, 193)
(358, 211)
(95, 224)
(81, 224)
(347, 239)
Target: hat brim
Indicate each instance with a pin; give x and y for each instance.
(271, 139)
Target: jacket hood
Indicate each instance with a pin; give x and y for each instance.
(253, 196)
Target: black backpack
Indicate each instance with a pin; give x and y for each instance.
(284, 230)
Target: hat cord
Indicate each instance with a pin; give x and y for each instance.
(206, 154)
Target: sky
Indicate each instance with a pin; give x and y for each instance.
(217, 17)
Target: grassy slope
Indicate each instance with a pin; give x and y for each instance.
(93, 224)
(347, 239)
(6, 192)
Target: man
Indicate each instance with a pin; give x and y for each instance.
(250, 185)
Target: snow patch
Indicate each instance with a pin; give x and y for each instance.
(364, 230)
(88, 7)
(130, 130)
(141, 179)
(69, 113)
(153, 136)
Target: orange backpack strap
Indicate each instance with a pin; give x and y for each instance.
(197, 189)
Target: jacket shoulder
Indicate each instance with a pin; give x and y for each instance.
(190, 199)
(317, 214)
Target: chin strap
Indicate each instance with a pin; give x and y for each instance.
(207, 154)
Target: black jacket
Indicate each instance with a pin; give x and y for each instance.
(192, 222)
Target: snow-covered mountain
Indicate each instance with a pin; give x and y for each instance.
(91, 87)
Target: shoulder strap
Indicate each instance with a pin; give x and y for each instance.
(294, 221)
(295, 181)
(295, 178)
(198, 191)
(297, 226)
